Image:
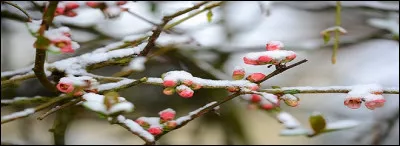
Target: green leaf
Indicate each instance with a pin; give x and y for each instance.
(275, 87)
(209, 15)
(327, 37)
(102, 116)
(317, 123)
(42, 42)
(294, 91)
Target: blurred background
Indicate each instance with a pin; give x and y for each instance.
(368, 53)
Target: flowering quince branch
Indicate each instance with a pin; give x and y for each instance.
(98, 93)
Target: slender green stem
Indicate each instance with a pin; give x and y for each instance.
(19, 8)
(41, 52)
(336, 44)
(192, 15)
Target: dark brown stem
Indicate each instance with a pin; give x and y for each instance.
(41, 52)
(57, 108)
(280, 69)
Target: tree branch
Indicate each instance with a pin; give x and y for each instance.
(19, 8)
(41, 52)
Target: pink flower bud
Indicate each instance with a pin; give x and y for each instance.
(59, 11)
(79, 93)
(65, 86)
(264, 59)
(267, 106)
(121, 3)
(255, 98)
(169, 83)
(256, 77)
(353, 102)
(171, 125)
(186, 93)
(187, 82)
(92, 4)
(71, 5)
(254, 87)
(373, 101)
(291, 57)
(290, 100)
(64, 45)
(238, 73)
(274, 45)
(155, 130)
(70, 13)
(169, 91)
(195, 86)
(142, 123)
(167, 115)
(249, 61)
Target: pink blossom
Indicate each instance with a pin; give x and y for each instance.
(187, 82)
(267, 106)
(65, 87)
(187, 93)
(171, 124)
(255, 98)
(167, 115)
(141, 122)
(92, 4)
(232, 89)
(353, 102)
(195, 86)
(249, 61)
(256, 77)
(64, 45)
(291, 57)
(155, 130)
(71, 5)
(169, 83)
(274, 45)
(169, 91)
(264, 59)
(373, 101)
(238, 74)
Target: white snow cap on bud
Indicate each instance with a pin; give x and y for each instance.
(137, 64)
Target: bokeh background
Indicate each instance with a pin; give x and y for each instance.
(369, 53)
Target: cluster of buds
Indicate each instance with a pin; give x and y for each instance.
(372, 97)
(110, 9)
(239, 73)
(180, 82)
(77, 85)
(109, 104)
(60, 40)
(157, 125)
(274, 55)
(66, 8)
(257, 101)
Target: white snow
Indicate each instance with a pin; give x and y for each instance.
(188, 117)
(95, 102)
(23, 113)
(137, 64)
(16, 99)
(238, 68)
(288, 120)
(109, 86)
(34, 25)
(18, 71)
(275, 55)
(295, 131)
(167, 110)
(79, 81)
(344, 124)
(270, 97)
(135, 128)
(363, 90)
(333, 28)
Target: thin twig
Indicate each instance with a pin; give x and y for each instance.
(59, 107)
(19, 8)
(282, 69)
(24, 100)
(140, 17)
(36, 109)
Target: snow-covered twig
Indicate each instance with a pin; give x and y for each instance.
(57, 108)
(134, 128)
(329, 89)
(23, 100)
(30, 111)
